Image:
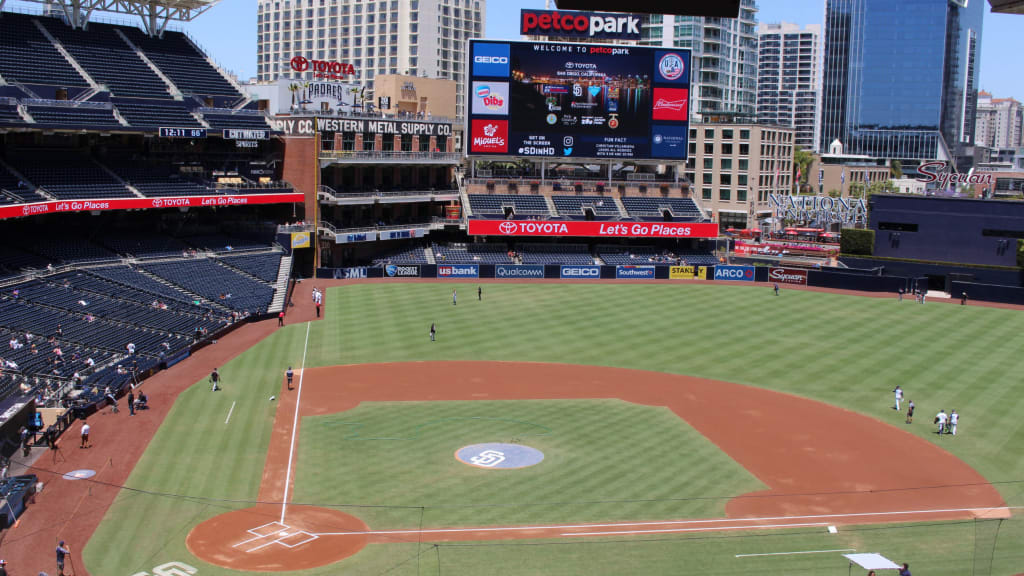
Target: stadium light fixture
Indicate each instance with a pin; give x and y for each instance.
(155, 14)
(1007, 6)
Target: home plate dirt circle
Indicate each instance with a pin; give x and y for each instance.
(255, 539)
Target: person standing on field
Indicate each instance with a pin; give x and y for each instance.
(290, 375)
(954, 419)
(433, 331)
(479, 292)
(62, 551)
(455, 297)
(910, 412)
(940, 419)
(898, 392)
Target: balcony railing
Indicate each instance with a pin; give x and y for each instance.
(392, 156)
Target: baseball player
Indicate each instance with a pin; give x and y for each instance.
(910, 412)
(215, 380)
(290, 375)
(898, 392)
(776, 288)
(954, 418)
(62, 551)
(479, 293)
(940, 419)
(455, 297)
(433, 332)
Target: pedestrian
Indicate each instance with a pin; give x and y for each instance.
(433, 332)
(215, 380)
(940, 419)
(905, 571)
(131, 403)
(899, 295)
(898, 392)
(479, 293)
(280, 318)
(776, 289)
(26, 443)
(954, 419)
(85, 435)
(455, 297)
(910, 412)
(963, 298)
(62, 551)
(290, 375)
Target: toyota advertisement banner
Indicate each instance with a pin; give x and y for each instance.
(402, 271)
(518, 271)
(580, 272)
(737, 273)
(458, 271)
(796, 276)
(607, 229)
(634, 272)
(573, 100)
(58, 206)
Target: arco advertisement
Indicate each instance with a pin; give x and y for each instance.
(735, 273)
(604, 229)
(581, 101)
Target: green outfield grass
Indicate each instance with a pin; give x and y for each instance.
(845, 350)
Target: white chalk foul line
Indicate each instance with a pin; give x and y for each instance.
(795, 553)
(668, 522)
(226, 420)
(295, 425)
(708, 529)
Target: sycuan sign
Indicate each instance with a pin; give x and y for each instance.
(820, 209)
(942, 173)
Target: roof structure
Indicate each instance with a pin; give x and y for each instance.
(155, 14)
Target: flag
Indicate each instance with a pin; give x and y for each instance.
(842, 178)
(797, 174)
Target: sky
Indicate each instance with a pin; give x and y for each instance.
(228, 33)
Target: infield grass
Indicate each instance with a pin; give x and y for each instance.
(844, 350)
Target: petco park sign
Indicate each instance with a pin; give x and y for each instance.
(22, 210)
(592, 229)
(579, 24)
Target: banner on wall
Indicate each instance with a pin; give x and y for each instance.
(300, 240)
(634, 272)
(593, 229)
(59, 206)
(788, 276)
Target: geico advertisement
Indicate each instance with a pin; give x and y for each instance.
(593, 229)
(581, 272)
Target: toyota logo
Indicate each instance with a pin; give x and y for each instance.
(507, 227)
(25, 210)
(158, 203)
(300, 64)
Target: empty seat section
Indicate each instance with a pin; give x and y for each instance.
(71, 177)
(471, 254)
(262, 266)
(642, 206)
(155, 115)
(573, 206)
(216, 283)
(251, 121)
(496, 204)
(554, 253)
(72, 117)
(9, 115)
(407, 255)
(179, 60)
(159, 180)
(143, 245)
(29, 57)
(109, 59)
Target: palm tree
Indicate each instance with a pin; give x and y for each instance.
(293, 88)
(802, 160)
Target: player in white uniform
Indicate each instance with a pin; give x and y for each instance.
(954, 417)
(940, 419)
(899, 396)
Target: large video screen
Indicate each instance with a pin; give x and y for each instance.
(569, 100)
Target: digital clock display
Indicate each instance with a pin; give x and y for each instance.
(183, 132)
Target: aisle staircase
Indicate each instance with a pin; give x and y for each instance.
(284, 272)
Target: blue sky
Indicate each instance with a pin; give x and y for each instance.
(228, 33)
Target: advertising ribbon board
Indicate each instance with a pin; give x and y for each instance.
(682, 272)
(634, 272)
(402, 271)
(580, 272)
(300, 240)
(514, 271)
(57, 206)
(458, 271)
(593, 229)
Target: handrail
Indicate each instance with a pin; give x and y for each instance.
(339, 113)
(393, 155)
(230, 111)
(66, 103)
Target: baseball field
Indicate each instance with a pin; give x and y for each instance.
(683, 428)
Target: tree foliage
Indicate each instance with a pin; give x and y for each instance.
(857, 242)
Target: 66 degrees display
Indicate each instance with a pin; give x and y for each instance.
(583, 101)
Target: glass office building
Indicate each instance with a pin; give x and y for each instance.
(900, 78)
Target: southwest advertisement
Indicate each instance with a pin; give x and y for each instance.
(569, 100)
(593, 229)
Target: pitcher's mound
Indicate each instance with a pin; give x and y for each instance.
(256, 540)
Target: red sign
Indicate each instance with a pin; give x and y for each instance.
(788, 275)
(55, 207)
(489, 136)
(593, 229)
(587, 24)
(671, 104)
(323, 68)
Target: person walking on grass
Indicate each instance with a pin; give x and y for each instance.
(455, 297)
(776, 289)
(215, 380)
(910, 412)
(433, 332)
(479, 293)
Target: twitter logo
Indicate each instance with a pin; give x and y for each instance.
(567, 151)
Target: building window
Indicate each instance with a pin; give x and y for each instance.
(707, 178)
(709, 133)
(744, 149)
(744, 134)
(705, 193)
(727, 134)
(744, 164)
(726, 163)
(709, 163)
(724, 194)
(741, 179)
(709, 147)
(725, 179)
(741, 195)
(727, 149)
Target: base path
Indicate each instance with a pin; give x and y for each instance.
(823, 465)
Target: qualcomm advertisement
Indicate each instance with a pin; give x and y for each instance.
(580, 272)
(634, 272)
(458, 271)
(738, 273)
(570, 100)
(522, 271)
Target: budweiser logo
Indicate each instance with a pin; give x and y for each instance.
(663, 104)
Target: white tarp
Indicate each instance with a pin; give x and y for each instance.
(872, 561)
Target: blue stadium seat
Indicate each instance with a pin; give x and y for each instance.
(29, 57)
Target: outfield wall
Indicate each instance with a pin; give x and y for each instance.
(837, 278)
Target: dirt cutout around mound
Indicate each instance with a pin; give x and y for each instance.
(823, 465)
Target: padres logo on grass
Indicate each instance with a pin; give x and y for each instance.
(497, 455)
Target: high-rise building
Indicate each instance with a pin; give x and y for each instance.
(900, 78)
(414, 37)
(724, 58)
(1000, 122)
(788, 64)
